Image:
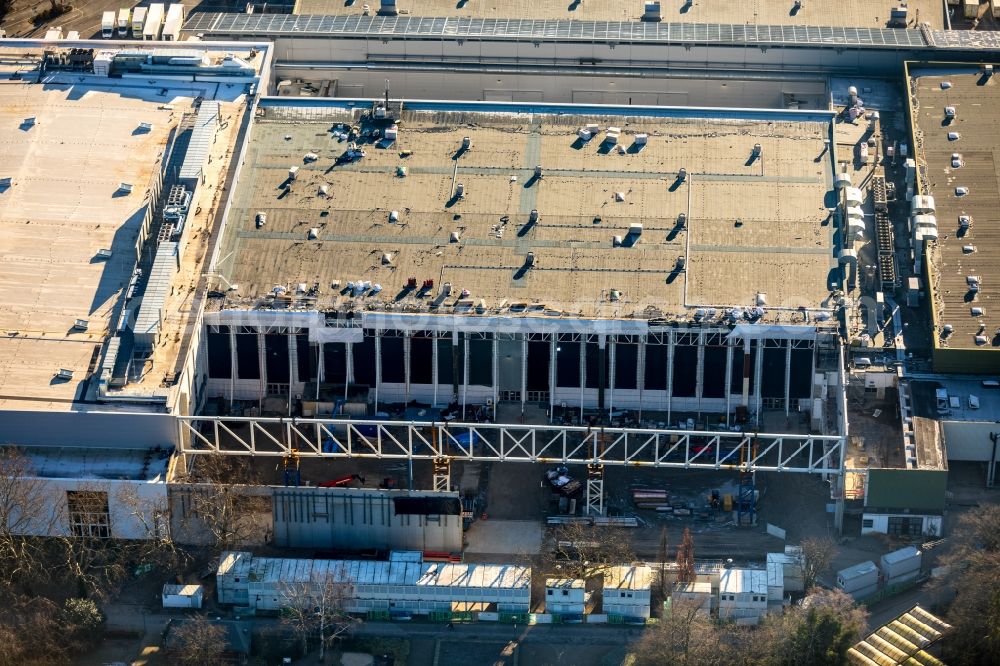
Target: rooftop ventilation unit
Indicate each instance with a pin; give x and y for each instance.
(968, 249)
(260, 219)
(538, 171)
(529, 260)
(641, 140)
(388, 8)
(455, 236)
(533, 216)
(7, 181)
(125, 188)
(635, 229)
(954, 136)
(466, 143)
(682, 175)
(387, 259)
(313, 233)
(459, 191)
(104, 253)
(950, 112)
(293, 173)
(64, 373)
(145, 127)
(310, 157)
(977, 312)
(652, 12)
(81, 324)
(394, 216)
(961, 191)
(981, 340)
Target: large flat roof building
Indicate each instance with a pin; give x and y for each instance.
(853, 13)
(953, 111)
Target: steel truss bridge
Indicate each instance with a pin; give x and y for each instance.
(549, 444)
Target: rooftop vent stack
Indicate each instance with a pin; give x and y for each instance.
(466, 143)
(529, 260)
(313, 233)
(387, 258)
(388, 8)
(533, 216)
(947, 330)
(394, 216)
(987, 70)
(682, 175)
(538, 171)
(446, 289)
(757, 150)
(459, 191)
(652, 12)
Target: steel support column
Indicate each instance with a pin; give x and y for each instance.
(378, 365)
(406, 366)
(262, 365)
(788, 377)
(583, 374)
(595, 490)
(758, 374)
(496, 375)
(320, 365)
(640, 369)
(670, 374)
(729, 380)
(442, 474)
(434, 370)
(349, 367)
(699, 372)
(233, 367)
(553, 375)
(612, 347)
(524, 371)
(465, 374)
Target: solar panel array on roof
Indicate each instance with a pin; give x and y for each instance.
(530, 29)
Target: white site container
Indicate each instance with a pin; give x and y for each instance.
(858, 577)
(743, 593)
(182, 596)
(900, 563)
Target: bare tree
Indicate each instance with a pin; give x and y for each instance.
(685, 636)
(818, 554)
(197, 642)
(973, 563)
(26, 509)
(818, 631)
(685, 558)
(317, 608)
(28, 626)
(585, 551)
(225, 502)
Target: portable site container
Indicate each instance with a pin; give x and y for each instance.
(182, 596)
(791, 570)
(627, 591)
(231, 578)
(860, 576)
(775, 581)
(901, 565)
(699, 593)
(566, 596)
(743, 593)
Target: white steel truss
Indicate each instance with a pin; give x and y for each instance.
(491, 442)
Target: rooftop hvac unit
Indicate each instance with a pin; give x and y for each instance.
(391, 133)
(682, 175)
(145, 127)
(324, 190)
(459, 191)
(761, 298)
(125, 188)
(293, 173)
(635, 229)
(977, 312)
(652, 12)
(104, 253)
(921, 203)
(533, 216)
(968, 249)
(584, 134)
(611, 136)
(387, 259)
(313, 233)
(961, 191)
(964, 221)
(394, 216)
(981, 340)
(64, 373)
(388, 8)
(842, 180)
(529, 259)
(956, 160)
(466, 143)
(950, 112)
(619, 196)
(954, 136)
(641, 139)
(616, 241)
(455, 236)
(81, 324)
(260, 219)
(310, 157)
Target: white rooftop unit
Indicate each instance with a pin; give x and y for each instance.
(154, 22)
(853, 195)
(921, 203)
